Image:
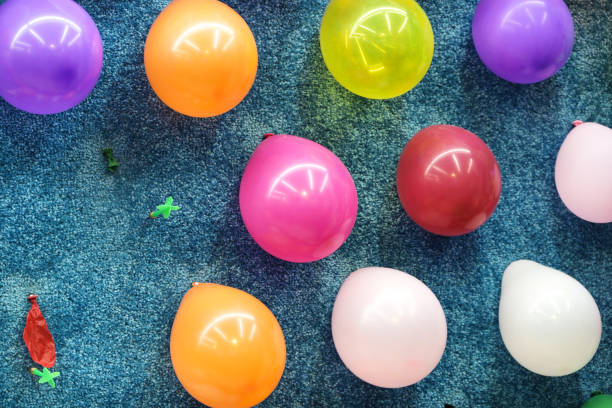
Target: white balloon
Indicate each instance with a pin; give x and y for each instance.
(549, 322)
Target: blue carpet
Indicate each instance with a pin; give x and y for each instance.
(110, 281)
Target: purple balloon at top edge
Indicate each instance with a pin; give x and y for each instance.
(50, 54)
(523, 41)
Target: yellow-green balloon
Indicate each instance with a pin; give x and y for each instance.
(378, 49)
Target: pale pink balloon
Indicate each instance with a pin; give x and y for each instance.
(388, 327)
(297, 199)
(583, 172)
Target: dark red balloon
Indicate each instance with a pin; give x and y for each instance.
(448, 180)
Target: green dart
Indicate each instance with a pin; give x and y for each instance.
(112, 163)
(164, 209)
(45, 375)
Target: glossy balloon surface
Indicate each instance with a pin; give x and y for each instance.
(523, 41)
(378, 49)
(297, 199)
(549, 322)
(227, 348)
(583, 172)
(50, 54)
(448, 180)
(599, 401)
(388, 327)
(200, 57)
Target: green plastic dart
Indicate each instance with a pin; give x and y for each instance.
(112, 163)
(164, 209)
(45, 375)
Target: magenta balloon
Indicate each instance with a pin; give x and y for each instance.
(388, 327)
(298, 201)
(523, 41)
(50, 54)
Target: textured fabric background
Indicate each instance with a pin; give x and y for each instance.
(110, 280)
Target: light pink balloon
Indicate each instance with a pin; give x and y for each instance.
(297, 199)
(583, 172)
(388, 327)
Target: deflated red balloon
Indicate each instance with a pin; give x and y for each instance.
(448, 180)
(37, 336)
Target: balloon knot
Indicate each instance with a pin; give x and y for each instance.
(267, 135)
(32, 298)
(577, 122)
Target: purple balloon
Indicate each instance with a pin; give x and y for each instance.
(50, 54)
(523, 41)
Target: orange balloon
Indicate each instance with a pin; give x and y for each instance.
(200, 57)
(227, 348)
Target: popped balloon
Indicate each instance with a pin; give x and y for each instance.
(448, 180)
(583, 172)
(227, 348)
(200, 57)
(297, 199)
(548, 321)
(50, 55)
(388, 327)
(523, 41)
(377, 49)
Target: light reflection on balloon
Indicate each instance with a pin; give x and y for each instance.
(283, 178)
(217, 28)
(232, 318)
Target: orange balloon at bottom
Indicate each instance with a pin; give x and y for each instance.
(227, 348)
